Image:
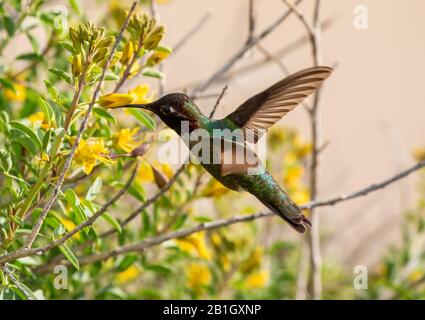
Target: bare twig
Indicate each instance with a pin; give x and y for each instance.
(238, 55)
(315, 271)
(196, 28)
(273, 58)
(239, 219)
(301, 17)
(35, 230)
(217, 103)
(251, 21)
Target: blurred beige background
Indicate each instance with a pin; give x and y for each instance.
(372, 111)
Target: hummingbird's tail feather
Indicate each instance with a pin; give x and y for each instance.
(268, 191)
(290, 213)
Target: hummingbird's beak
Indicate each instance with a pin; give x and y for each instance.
(147, 106)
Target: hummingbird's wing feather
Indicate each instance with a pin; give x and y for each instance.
(261, 111)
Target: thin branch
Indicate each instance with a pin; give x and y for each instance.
(153, 241)
(273, 58)
(251, 21)
(238, 55)
(36, 229)
(196, 28)
(217, 103)
(301, 17)
(16, 282)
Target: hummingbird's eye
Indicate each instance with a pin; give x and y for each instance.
(167, 110)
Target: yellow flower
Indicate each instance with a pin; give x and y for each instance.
(167, 170)
(257, 280)
(163, 1)
(140, 94)
(145, 173)
(124, 139)
(113, 100)
(134, 96)
(301, 195)
(38, 118)
(69, 225)
(195, 243)
(157, 57)
(293, 175)
(198, 275)
(290, 158)
(18, 95)
(416, 275)
(128, 274)
(214, 189)
(419, 154)
(88, 152)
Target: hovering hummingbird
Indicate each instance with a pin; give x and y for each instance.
(257, 114)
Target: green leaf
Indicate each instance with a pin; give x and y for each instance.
(143, 117)
(62, 74)
(9, 25)
(53, 91)
(70, 256)
(31, 134)
(164, 49)
(158, 269)
(7, 84)
(109, 76)
(47, 109)
(30, 57)
(105, 115)
(68, 46)
(25, 141)
(112, 221)
(71, 197)
(137, 192)
(75, 4)
(46, 139)
(153, 73)
(126, 262)
(94, 190)
(5, 160)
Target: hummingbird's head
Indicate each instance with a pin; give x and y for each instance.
(172, 109)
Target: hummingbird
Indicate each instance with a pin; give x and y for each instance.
(255, 115)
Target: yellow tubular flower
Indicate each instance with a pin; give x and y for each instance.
(88, 152)
(38, 118)
(213, 189)
(124, 139)
(145, 173)
(257, 280)
(114, 100)
(18, 95)
(198, 275)
(140, 94)
(195, 243)
(128, 274)
(253, 261)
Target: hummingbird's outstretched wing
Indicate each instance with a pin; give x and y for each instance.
(263, 110)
